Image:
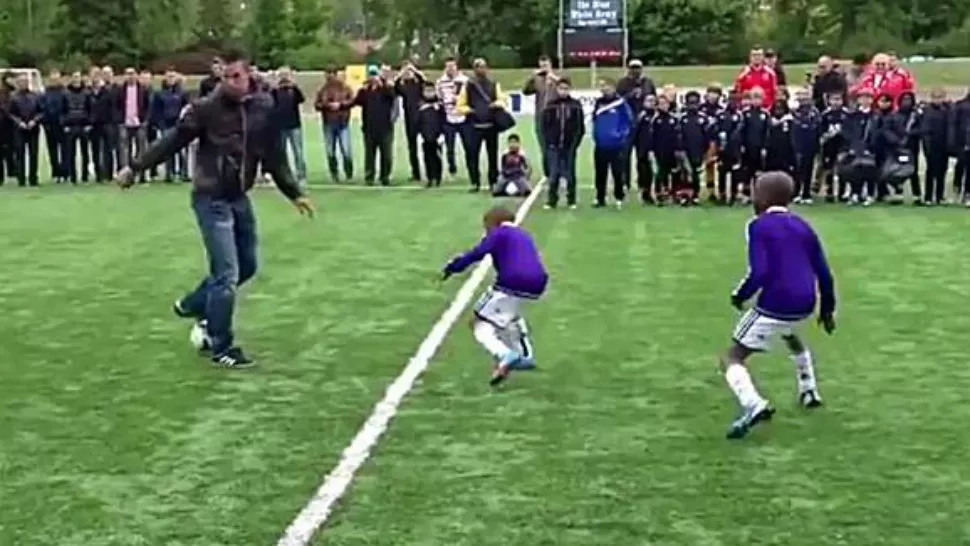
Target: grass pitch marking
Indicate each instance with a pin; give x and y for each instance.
(319, 508)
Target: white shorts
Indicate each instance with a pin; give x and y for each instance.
(498, 308)
(757, 332)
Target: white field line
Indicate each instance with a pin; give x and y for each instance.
(319, 508)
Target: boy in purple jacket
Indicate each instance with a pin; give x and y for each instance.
(786, 269)
(520, 277)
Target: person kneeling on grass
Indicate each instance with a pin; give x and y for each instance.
(498, 324)
(514, 171)
(786, 266)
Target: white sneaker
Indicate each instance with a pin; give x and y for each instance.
(867, 202)
(574, 206)
(807, 201)
(619, 205)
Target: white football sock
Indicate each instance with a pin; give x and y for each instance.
(487, 335)
(804, 371)
(739, 380)
(516, 338)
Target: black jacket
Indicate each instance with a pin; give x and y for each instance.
(26, 107)
(409, 89)
(754, 130)
(563, 123)
(77, 106)
(430, 120)
(52, 103)
(235, 137)
(103, 111)
(827, 84)
(208, 85)
(934, 129)
(288, 100)
(377, 106)
(959, 132)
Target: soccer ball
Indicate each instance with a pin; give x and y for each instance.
(511, 190)
(199, 336)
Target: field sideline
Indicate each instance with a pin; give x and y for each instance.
(114, 433)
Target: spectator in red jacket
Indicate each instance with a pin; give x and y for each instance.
(906, 75)
(757, 74)
(883, 80)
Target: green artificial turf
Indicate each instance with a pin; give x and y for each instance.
(113, 432)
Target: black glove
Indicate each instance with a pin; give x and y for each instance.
(737, 302)
(445, 275)
(828, 323)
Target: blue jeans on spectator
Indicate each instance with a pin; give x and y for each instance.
(452, 130)
(337, 136)
(293, 138)
(562, 165)
(228, 229)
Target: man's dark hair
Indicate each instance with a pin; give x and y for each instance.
(235, 56)
(544, 58)
(514, 137)
(565, 80)
(450, 59)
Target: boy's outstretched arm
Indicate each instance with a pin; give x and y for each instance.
(757, 266)
(473, 256)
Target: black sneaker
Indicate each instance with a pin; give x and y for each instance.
(233, 358)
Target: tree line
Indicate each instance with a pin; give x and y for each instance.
(312, 34)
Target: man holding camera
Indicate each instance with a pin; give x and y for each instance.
(542, 85)
(377, 102)
(408, 85)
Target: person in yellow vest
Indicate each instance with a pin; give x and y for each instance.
(480, 99)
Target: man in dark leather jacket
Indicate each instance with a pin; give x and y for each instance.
(237, 134)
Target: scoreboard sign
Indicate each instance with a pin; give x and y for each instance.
(592, 29)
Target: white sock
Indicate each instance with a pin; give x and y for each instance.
(739, 380)
(516, 338)
(487, 335)
(804, 371)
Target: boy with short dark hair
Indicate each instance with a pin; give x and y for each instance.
(833, 143)
(514, 171)
(643, 144)
(693, 141)
(563, 125)
(755, 120)
(727, 141)
(664, 127)
(789, 274)
(429, 126)
(805, 134)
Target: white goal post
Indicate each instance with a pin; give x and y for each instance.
(33, 76)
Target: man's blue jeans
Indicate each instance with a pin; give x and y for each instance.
(229, 233)
(562, 166)
(293, 138)
(336, 136)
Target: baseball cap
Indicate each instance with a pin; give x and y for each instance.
(635, 63)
